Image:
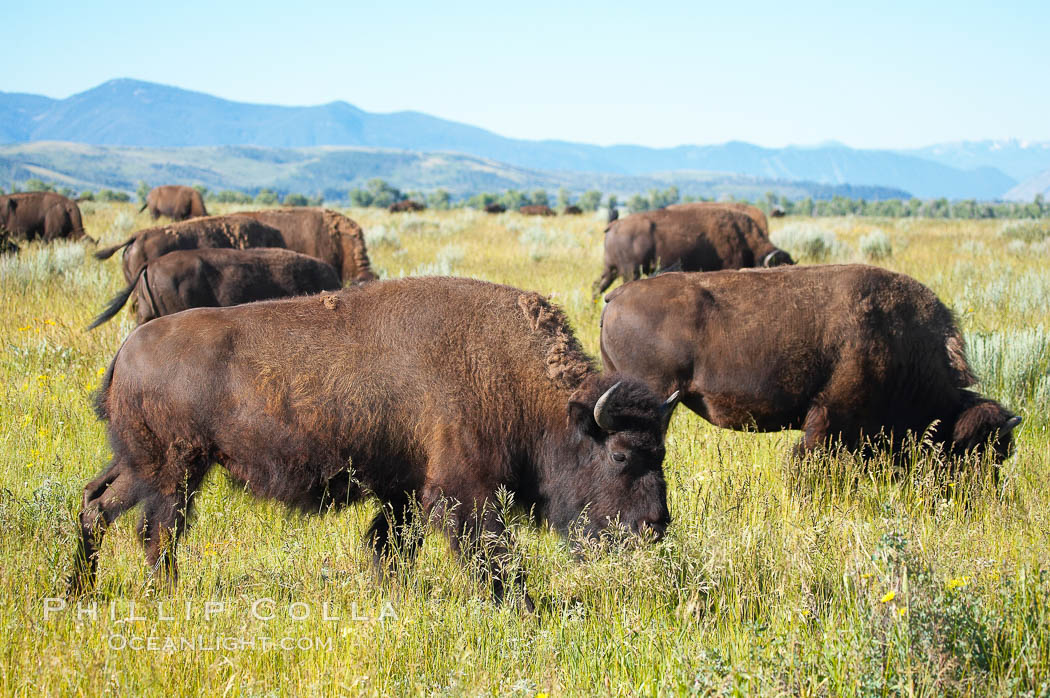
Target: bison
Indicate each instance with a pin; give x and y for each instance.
(429, 393)
(495, 208)
(40, 215)
(216, 231)
(693, 238)
(406, 206)
(175, 201)
(572, 211)
(218, 277)
(753, 211)
(841, 352)
(536, 211)
(322, 233)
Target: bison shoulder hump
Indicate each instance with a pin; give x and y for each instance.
(566, 362)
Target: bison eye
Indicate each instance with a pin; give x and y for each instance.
(619, 457)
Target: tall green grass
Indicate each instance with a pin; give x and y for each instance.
(828, 577)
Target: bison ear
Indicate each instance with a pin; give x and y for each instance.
(1011, 424)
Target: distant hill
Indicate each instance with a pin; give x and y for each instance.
(1017, 159)
(1027, 190)
(130, 112)
(333, 170)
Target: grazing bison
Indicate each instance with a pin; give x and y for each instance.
(840, 352)
(753, 211)
(40, 215)
(572, 211)
(174, 201)
(213, 277)
(406, 206)
(495, 208)
(777, 212)
(322, 233)
(428, 391)
(217, 231)
(692, 238)
(536, 211)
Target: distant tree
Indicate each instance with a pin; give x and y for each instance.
(439, 199)
(563, 198)
(382, 193)
(86, 195)
(228, 196)
(590, 200)
(662, 199)
(613, 202)
(539, 198)
(514, 199)
(295, 200)
(143, 191)
(34, 184)
(360, 197)
(113, 196)
(637, 203)
(202, 190)
(480, 201)
(266, 197)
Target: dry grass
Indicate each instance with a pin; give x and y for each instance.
(828, 579)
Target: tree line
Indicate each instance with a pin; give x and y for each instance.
(380, 193)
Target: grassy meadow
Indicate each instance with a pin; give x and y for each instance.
(822, 578)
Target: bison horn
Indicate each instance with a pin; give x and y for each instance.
(670, 402)
(768, 258)
(604, 419)
(1012, 424)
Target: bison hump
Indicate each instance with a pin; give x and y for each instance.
(566, 362)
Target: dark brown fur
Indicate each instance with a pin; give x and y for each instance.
(237, 232)
(175, 201)
(495, 208)
(841, 352)
(406, 206)
(325, 234)
(536, 211)
(430, 390)
(754, 212)
(572, 211)
(690, 237)
(216, 277)
(40, 216)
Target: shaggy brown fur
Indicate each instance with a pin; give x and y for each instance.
(536, 211)
(426, 390)
(691, 237)
(325, 234)
(175, 201)
(406, 206)
(841, 352)
(753, 212)
(40, 215)
(237, 232)
(216, 277)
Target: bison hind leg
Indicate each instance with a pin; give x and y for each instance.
(105, 498)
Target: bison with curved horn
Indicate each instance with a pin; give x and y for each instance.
(218, 277)
(237, 232)
(428, 393)
(690, 237)
(322, 233)
(844, 353)
(175, 201)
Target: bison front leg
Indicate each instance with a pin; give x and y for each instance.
(604, 282)
(477, 533)
(394, 536)
(163, 523)
(814, 431)
(105, 498)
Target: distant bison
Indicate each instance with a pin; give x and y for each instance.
(840, 352)
(217, 231)
(406, 206)
(777, 212)
(429, 391)
(495, 208)
(175, 201)
(692, 238)
(753, 211)
(322, 233)
(211, 277)
(40, 216)
(572, 211)
(536, 211)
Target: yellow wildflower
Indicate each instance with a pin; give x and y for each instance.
(890, 596)
(902, 610)
(956, 583)
(101, 371)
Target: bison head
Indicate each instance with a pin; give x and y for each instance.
(617, 426)
(985, 424)
(777, 258)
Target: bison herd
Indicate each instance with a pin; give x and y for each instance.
(432, 394)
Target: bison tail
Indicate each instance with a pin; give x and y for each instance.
(143, 207)
(118, 302)
(103, 390)
(107, 252)
(956, 347)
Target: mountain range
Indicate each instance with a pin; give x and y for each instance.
(131, 113)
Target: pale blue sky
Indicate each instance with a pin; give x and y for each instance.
(889, 74)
